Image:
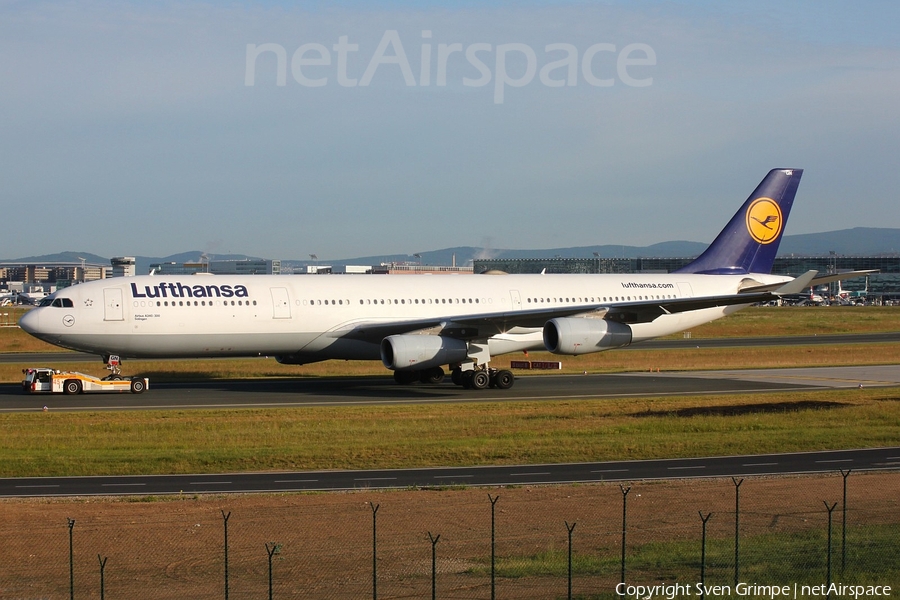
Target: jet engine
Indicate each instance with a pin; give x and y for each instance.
(417, 352)
(572, 335)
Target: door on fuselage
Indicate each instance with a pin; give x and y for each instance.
(281, 303)
(516, 299)
(112, 305)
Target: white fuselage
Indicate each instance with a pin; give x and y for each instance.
(305, 316)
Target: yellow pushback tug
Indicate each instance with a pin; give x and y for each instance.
(42, 380)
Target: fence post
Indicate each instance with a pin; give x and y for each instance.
(102, 578)
(830, 509)
(271, 551)
(703, 555)
(570, 528)
(493, 500)
(844, 524)
(71, 560)
(225, 523)
(374, 508)
(625, 491)
(434, 541)
(737, 528)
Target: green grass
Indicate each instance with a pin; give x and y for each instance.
(207, 441)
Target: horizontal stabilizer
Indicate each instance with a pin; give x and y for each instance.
(797, 285)
(843, 276)
(817, 280)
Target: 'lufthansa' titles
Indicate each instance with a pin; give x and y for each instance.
(179, 290)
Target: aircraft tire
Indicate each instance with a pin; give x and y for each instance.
(456, 376)
(434, 375)
(405, 377)
(466, 378)
(72, 386)
(504, 379)
(137, 386)
(480, 380)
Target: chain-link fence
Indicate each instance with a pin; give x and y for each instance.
(576, 541)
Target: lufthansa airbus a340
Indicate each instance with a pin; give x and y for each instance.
(418, 325)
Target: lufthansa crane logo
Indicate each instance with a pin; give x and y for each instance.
(764, 220)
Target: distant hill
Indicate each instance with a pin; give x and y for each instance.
(63, 257)
(859, 241)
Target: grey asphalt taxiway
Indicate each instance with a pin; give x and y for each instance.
(383, 390)
(300, 481)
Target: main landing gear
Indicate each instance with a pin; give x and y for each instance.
(479, 378)
(482, 377)
(433, 375)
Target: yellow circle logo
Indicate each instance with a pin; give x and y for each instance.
(764, 220)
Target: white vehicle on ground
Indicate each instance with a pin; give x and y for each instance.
(51, 381)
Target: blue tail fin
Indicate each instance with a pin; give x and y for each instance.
(749, 242)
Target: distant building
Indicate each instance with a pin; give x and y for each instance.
(122, 266)
(353, 269)
(417, 269)
(50, 275)
(251, 266)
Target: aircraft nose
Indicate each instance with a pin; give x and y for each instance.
(30, 321)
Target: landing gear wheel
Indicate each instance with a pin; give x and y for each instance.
(72, 386)
(466, 378)
(503, 379)
(137, 385)
(456, 376)
(405, 377)
(434, 375)
(480, 380)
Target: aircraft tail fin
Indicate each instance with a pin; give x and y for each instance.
(749, 242)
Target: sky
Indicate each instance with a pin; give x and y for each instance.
(343, 129)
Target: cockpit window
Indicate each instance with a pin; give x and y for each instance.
(58, 303)
(46, 302)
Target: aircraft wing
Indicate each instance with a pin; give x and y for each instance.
(475, 325)
(483, 325)
(817, 280)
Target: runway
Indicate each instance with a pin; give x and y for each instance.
(300, 481)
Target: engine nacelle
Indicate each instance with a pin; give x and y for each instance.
(416, 352)
(571, 335)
